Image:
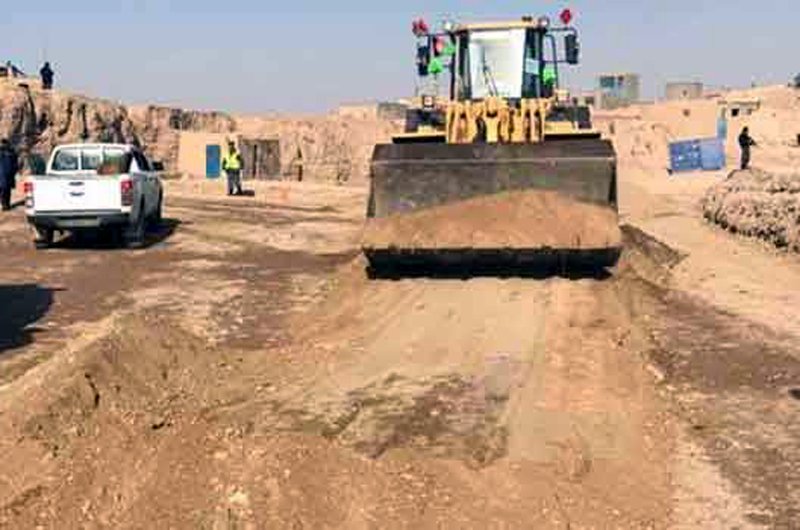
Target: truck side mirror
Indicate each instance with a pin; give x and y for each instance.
(572, 48)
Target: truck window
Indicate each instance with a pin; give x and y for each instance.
(66, 160)
(115, 162)
(91, 159)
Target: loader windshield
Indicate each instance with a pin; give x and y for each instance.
(496, 60)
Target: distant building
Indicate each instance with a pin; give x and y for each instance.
(684, 90)
(384, 110)
(739, 107)
(588, 99)
(617, 90)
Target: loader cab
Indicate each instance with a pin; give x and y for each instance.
(511, 61)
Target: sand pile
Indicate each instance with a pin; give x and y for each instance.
(520, 219)
(758, 204)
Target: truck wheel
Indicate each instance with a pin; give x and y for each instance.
(371, 204)
(44, 237)
(158, 215)
(114, 235)
(135, 234)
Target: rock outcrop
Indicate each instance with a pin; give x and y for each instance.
(35, 121)
(334, 148)
(158, 128)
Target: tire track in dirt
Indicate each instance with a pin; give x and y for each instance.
(501, 375)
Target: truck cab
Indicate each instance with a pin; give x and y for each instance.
(109, 187)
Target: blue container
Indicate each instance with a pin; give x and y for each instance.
(685, 156)
(712, 154)
(213, 161)
(707, 154)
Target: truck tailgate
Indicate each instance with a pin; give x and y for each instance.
(76, 193)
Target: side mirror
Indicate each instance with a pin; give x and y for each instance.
(158, 166)
(572, 48)
(423, 60)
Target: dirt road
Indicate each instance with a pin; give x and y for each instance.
(243, 372)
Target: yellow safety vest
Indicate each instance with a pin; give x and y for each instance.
(232, 162)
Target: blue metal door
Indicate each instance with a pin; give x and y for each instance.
(213, 161)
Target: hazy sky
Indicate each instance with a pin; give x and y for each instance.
(310, 55)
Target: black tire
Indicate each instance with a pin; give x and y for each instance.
(371, 204)
(44, 237)
(115, 235)
(158, 215)
(135, 234)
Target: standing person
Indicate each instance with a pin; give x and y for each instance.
(13, 71)
(8, 173)
(745, 143)
(47, 76)
(299, 163)
(232, 166)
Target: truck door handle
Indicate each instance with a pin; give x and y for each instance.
(76, 183)
(76, 194)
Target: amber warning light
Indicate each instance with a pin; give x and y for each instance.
(566, 16)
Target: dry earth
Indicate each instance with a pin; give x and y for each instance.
(243, 372)
(517, 219)
(758, 204)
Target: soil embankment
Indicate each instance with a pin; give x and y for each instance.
(758, 204)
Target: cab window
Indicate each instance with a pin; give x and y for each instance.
(66, 160)
(91, 159)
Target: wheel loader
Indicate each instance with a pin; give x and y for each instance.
(506, 128)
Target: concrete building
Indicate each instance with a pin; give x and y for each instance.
(683, 90)
(588, 99)
(617, 90)
(739, 107)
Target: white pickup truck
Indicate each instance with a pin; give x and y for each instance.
(109, 187)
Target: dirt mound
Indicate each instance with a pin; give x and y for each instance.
(519, 219)
(758, 204)
(70, 435)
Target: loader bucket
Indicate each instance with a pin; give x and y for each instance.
(493, 206)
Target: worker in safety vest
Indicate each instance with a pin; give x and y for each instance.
(232, 165)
